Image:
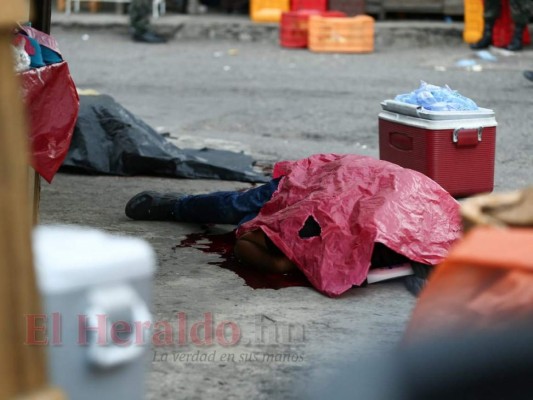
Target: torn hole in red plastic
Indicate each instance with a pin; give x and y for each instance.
(311, 228)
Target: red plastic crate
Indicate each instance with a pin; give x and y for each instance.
(503, 30)
(320, 5)
(293, 32)
(457, 154)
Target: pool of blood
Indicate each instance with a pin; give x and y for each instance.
(222, 244)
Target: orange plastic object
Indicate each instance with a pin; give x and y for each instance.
(293, 30)
(268, 10)
(473, 15)
(341, 35)
(486, 282)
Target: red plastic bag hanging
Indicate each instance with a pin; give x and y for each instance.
(52, 104)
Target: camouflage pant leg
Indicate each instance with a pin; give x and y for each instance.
(140, 11)
(521, 11)
(492, 10)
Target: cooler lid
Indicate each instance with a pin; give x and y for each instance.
(417, 111)
(68, 258)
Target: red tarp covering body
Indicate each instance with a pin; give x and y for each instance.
(52, 104)
(357, 201)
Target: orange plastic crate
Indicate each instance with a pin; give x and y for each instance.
(341, 35)
(293, 30)
(473, 15)
(268, 10)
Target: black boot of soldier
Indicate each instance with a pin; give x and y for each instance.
(148, 37)
(486, 39)
(516, 41)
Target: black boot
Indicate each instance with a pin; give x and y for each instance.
(148, 37)
(486, 40)
(153, 206)
(528, 75)
(516, 41)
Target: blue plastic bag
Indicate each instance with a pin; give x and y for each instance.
(436, 98)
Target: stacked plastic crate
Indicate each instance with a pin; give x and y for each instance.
(330, 31)
(294, 23)
(341, 35)
(293, 28)
(293, 32)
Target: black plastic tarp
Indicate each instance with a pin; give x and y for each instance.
(108, 139)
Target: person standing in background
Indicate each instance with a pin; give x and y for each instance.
(140, 11)
(520, 12)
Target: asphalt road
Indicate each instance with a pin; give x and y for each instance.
(292, 103)
(276, 104)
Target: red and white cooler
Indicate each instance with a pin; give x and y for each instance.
(454, 148)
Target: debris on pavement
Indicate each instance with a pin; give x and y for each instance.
(195, 142)
(486, 56)
(465, 62)
(503, 52)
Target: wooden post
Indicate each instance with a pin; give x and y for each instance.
(40, 16)
(22, 367)
(93, 6)
(41, 11)
(60, 5)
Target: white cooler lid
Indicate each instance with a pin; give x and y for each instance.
(68, 258)
(414, 110)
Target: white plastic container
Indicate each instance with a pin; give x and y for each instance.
(91, 279)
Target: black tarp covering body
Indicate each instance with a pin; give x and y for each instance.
(108, 139)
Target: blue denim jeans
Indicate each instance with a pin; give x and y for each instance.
(225, 207)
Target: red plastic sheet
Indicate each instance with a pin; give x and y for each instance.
(52, 104)
(357, 201)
